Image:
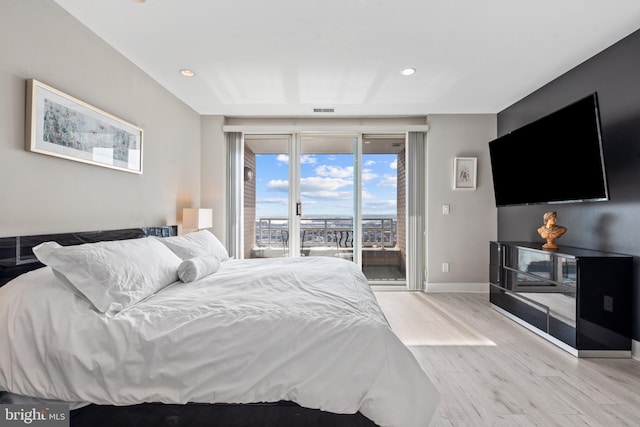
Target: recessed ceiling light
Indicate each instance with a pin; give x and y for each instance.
(139, 1)
(408, 71)
(187, 73)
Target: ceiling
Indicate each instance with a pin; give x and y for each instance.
(286, 57)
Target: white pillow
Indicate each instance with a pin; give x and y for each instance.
(112, 275)
(198, 267)
(199, 243)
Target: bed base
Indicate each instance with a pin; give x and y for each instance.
(280, 414)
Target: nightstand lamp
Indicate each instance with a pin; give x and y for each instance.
(197, 218)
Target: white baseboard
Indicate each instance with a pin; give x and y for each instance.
(635, 349)
(456, 287)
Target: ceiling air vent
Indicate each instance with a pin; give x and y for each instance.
(324, 110)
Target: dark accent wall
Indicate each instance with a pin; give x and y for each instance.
(613, 225)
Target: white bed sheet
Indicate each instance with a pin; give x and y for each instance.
(307, 330)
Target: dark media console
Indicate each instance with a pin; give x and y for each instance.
(576, 298)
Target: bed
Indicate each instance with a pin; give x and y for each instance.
(301, 333)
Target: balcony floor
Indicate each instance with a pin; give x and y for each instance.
(383, 273)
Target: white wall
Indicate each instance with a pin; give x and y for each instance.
(462, 237)
(43, 194)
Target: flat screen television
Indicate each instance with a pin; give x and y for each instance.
(555, 159)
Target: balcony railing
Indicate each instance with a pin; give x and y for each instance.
(318, 232)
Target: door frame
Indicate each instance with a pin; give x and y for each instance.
(416, 230)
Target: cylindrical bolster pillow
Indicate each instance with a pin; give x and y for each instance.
(198, 267)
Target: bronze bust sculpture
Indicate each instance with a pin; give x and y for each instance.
(550, 231)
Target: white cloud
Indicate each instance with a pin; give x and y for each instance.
(283, 158)
(318, 183)
(394, 164)
(389, 181)
(278, 185)
(307, 159)
(370, 163)
(368, 175)
(367, 195)
(273, 201)
(379, 205)
(304, 159)
(315, 186)
(328, 195)
(335, 171)
(344, 172)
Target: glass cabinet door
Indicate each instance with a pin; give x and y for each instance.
(547, 284)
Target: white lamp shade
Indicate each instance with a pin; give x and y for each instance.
(197, 218)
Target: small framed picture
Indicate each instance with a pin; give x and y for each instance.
(464, 173)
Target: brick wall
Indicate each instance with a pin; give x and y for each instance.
(249, 205)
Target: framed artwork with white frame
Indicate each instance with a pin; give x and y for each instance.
(63, 126)
(465, 173)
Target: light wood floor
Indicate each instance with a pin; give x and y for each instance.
(493, 372)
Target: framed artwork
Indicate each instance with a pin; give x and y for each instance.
(464, 173)
(62, 126)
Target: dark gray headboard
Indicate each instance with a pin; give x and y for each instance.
(16, 256)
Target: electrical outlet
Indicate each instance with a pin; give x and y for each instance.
(608, 304)
(445, 267)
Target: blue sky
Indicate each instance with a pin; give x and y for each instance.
(327, 185)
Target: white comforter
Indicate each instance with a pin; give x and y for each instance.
(307, 330)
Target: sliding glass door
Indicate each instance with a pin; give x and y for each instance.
(266, 196)
(384, 209)
(323, 194)
(327, 195)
